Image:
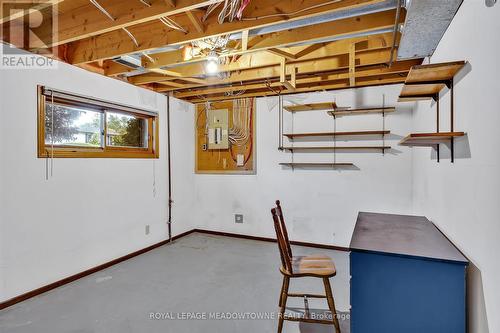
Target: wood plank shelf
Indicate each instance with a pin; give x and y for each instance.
(350, 112)
(413, 98)
(426, 81)
(320, 134)
(332, 165)
(312, 107)
(338, 148)
(415, 92)
(429, 139)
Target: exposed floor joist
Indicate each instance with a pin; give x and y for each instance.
(262, 59)
(278, 45)
(400, 68)
(371, 81)
(155, 35)
(29, 8)
(370, 57)
(368, 24)
(87, 21)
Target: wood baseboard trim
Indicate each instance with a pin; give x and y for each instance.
(89, 271)
(95, 269)
(267, 239)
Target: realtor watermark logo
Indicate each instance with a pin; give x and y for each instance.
(315, 314)
(29, 34)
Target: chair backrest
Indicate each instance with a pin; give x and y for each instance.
(279, 211)
(282, 238)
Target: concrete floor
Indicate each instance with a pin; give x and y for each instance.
(200, 275)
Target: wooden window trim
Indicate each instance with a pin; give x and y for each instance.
(44, 151)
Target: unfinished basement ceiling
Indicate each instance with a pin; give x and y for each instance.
(133, 60)
(276, 46)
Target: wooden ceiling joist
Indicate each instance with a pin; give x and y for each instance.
(28, 8)
(307, 81)
(282, 53)
(262, 59)
(309, 49)
(367, 58)
(112, 68)
(194, 80)
(244, 40)
(150, 78)
(398, 68)
(351, 51)
(87, 21)
(335, 29)
(198, 25)
(372, 81)
(172, 84)
(352, 64)
(153, 35)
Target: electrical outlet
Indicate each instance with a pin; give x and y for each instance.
(147, 230)
(238, 218)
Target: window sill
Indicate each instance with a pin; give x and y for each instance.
(98, 153)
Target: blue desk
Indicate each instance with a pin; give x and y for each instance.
(406, 277)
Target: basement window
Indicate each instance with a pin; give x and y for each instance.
(81, 127)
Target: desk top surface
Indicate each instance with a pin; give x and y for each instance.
(402, 235)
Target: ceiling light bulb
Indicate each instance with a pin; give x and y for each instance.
(212, 67)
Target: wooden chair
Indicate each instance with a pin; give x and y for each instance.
(318, 266)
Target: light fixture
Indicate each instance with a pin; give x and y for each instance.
(212, 63)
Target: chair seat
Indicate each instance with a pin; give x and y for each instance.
(313, 265)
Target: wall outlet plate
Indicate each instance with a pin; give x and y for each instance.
(238, 218)
(147, 229)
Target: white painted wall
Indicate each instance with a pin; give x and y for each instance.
(320, 205)
(93, 210)
(183, 189)
(49, 230)
(463, 198)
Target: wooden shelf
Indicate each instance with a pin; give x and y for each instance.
(349, 112)
(413, 98)
(332, 165)
(429, 139)
(312, 107)
(303, 135)
(339, 148)
(415, 92)
(426, 81)
(434, 72)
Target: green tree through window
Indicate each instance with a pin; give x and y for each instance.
(126, 131)
(64, 120)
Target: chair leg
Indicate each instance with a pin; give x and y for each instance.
(283, 298)
(331, 304)
(280, 304)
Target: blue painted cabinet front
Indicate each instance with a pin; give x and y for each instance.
(391, 293)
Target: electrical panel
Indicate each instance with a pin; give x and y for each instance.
(218, 129)
(225, 137)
